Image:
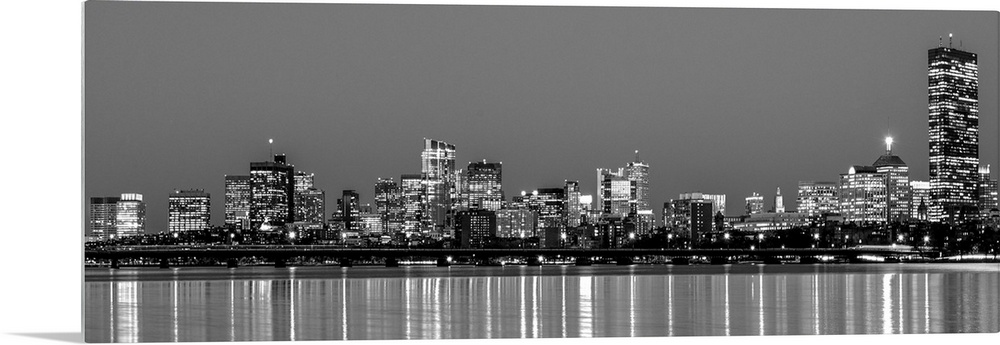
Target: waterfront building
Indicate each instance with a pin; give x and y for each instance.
(987, 192)
(238, 200)
(953, 126)
(483, 185)
(920, 194)
(614, 192)
(897, 184)
(613, 231)
(310, 202)
(689, 216)
(389, 204)
(103, 212)
(637, 172)
(770, 221)
(189, 210)
(437, 170)
(755, 204)
(130, 217)
(718, 201)
(412, 198)
(816, 199)
(863, 195)
(779, 202)
(272, 191)
(516, 223)
(475, 227)
(369, 223)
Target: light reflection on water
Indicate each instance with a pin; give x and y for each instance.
(312, 303)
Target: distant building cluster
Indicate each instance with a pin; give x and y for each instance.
(470, 206)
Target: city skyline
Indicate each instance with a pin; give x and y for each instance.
(682, 153)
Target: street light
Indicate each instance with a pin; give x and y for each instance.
(631, 238)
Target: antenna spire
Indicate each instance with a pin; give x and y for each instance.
(636, 155)
(949, 40)
(270, 148)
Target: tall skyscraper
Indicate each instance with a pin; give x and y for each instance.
(987, 191)
(437, 168)
(483, 185)
(130, 219)
(389, 204)
(863, 195)
(310, 202)
(272, 190)
(755, 204)
(638, 172)
(817, 198)
(779, 202)
(412, 188)
(238, 200)
(897, 184)
(103, 212)
(189, 210)
(953, 96)
(350, 210)
(572, 209)
(614, 192)
(920, 199)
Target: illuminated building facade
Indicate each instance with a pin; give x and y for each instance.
(310, 202)
(816, 199)
(573, 208)
(130, 217)
(389, 204)
(350, 210)
(638, 173)
(690, 215)
(437, 169)
(920, 200)
(548, 202)
(953, 97)
(987, 191)
(718, 201)
(189, 210)
(779, 202)
(475, 227)
(754, 204)
(238, 200)
(516, 223)
(103, 212)
(412, 198)
(897, 184)
(615, 192)
(863, 195)
(483, 185)
(272, 190)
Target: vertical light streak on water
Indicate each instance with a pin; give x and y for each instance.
(899, 301)
(760, 301)
(927, 304)
(343, 308)
(887, 303)
(586, 308)
(173, 302)
(291, 308)
(489, 308)
(437, 321)
(524, 323)
(562, 290)
(670, 305)
(128, 321)
(849, 305)
(815, 300)
(727, 304)
(232, 310)
(631, 306)
(407, 290)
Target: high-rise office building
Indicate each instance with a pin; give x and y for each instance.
(475, 227)
(310, 202)
(516, 223)
(755, 204)
(637, 171)
(389, 204)
(920, 199)
(483, 186)
(816, 199)
(130, 219)
(272, 190)
(572, 209)
(103, 212)
(953, 97)
(437, 168)
(238, 200)
(189, 210)
(614, 192)
(779, 202)
(718, 202)
(350, 210)
(897, 184)
(987, 191)
(863, 195)
(690, 215)
(412, 198)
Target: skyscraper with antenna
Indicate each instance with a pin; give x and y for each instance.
(953, 128)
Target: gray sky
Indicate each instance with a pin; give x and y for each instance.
(716, 100)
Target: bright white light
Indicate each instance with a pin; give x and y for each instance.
(563, 236)
(816, 236)
(291, 235)
(270, 141)
(752, 247)
(726, 236)
(927, 238)
(540, 258)
(631, 235)
(670, 236)
(448, 258)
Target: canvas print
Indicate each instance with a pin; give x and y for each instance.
(285, 172)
